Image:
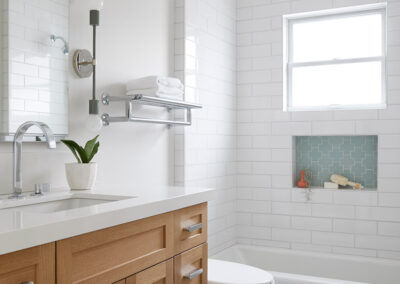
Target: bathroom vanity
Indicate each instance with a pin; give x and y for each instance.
(170, 247)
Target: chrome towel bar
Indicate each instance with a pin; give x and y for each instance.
(131, 100)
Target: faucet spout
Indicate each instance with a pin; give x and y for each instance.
(17, 153)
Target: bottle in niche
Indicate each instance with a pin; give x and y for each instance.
(302, 183)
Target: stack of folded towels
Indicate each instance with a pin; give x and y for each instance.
(156, 86)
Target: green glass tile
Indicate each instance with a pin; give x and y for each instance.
(352, 156)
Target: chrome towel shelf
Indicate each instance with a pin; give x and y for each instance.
(131, 100)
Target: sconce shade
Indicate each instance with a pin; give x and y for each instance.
(86, 5)
(94, 4)
(94, 17)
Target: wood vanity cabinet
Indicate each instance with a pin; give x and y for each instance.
(152, 250)
(36, 265)
(111, 254)
(163, 249)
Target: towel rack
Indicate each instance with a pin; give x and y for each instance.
(131, 100)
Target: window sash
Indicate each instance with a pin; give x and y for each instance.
(289, 20)
(337, 61)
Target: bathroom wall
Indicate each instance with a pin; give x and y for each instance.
(134, 39)
(269, 211)
(206, 151)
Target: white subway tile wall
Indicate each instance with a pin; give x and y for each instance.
(205, 153)
(269, 211)
(36, 84)
(177, 133)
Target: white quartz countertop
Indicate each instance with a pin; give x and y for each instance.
(20, 229)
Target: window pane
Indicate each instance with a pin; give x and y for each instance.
(337, 38)
(339, 84)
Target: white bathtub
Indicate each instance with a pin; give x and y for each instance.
(296, 267)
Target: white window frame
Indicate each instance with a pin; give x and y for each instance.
(289, 20)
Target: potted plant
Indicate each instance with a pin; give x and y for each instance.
(82, 174)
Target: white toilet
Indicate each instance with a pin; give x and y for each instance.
(226, 272)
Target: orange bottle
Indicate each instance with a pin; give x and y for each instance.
(302, 182)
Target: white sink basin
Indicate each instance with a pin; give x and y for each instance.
(51, 204)
(61, 205)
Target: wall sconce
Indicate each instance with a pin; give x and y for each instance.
(85, 65)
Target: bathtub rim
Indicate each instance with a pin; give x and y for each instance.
(327, 255)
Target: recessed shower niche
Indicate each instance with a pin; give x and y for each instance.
(354, 157)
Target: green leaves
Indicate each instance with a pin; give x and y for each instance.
(83, 155)
(75, 149)
(91, 148)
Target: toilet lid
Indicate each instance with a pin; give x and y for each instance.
(223, 272)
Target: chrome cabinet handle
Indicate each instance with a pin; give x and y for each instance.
(30, 282)
(194, 274)
(193, 227)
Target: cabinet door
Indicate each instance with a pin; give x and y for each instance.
(109, 255)
(191, 266)
(162, 273)
(35, 265)
(190, 227)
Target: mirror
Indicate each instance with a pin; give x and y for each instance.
(34, 66)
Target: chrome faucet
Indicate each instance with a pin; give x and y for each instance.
(19, 135)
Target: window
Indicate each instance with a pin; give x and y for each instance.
(335, 59)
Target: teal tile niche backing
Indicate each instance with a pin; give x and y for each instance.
(355, 157)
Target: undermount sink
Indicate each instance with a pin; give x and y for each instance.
(63, 203)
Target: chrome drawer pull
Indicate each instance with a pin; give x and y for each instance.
(194, 274)
(193, 227)
(30, 282)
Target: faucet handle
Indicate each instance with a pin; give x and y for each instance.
(40, 189)
(46, 187)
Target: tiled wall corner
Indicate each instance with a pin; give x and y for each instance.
(179, 72)
(209, 156)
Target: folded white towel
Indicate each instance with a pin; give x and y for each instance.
(159, 89)
(151, 82)
(160, 92)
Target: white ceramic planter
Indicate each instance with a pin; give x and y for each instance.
(81, 176)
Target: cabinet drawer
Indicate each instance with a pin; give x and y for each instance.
(109, 255)
(190, 227)
(191, 266)
(35, 264)
(162, 273)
